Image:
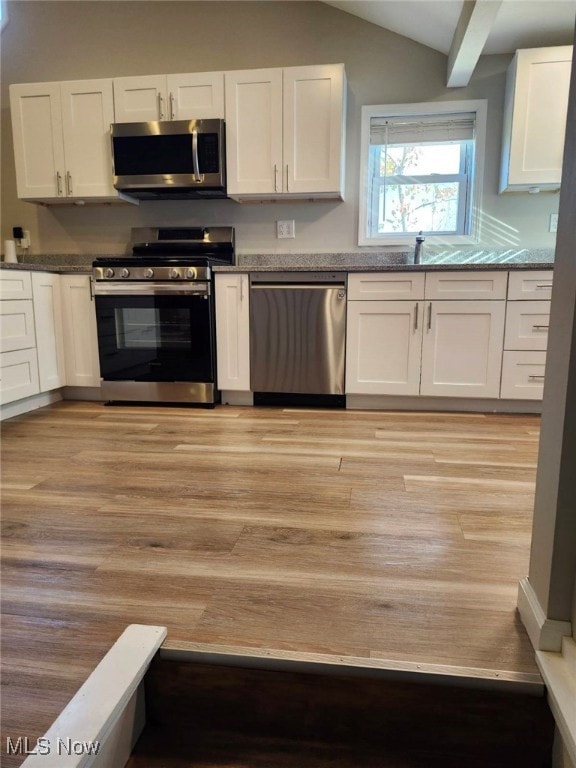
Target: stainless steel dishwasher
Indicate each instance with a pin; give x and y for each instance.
(297, 334)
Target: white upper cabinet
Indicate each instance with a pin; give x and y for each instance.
(62, 140)
(535, 112)
(285, 132)
(190, 96)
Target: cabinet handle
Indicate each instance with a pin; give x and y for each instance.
(58, 183)
(161, 106)
(91, 281)
(172, 106)
(241, 290)
(536, 376)
(430, 316)
(275, 178)
(287, 185)
(545, 285)
(540, 327)
(416, 316)
(68, 183)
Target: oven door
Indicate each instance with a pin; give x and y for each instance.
(155, 332)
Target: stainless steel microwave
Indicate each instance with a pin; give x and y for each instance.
(173, 159)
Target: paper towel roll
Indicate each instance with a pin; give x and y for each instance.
(10, 252)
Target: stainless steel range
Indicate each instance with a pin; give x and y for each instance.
(155, 315)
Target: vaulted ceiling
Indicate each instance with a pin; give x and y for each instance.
(466, 29)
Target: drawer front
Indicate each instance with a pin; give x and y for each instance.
(466, 285)
(523, 375)
(527, 325)
(378, 286)
(17, 325)
(15, 284)
(18, 375)
(530, 285)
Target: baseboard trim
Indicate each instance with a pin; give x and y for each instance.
(559, 673)
(233, 397)
(545, 634)
(463, 404)
(352, 666)
(107, 713)
(31, 403)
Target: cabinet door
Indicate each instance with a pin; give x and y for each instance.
(18, 375)
(196, 96)
(254, 131)
(139, 99)
(535, 117)
(49, 331)
(80, 335)
(87, 113)
(233, 332)
(38, 143)
(314, 101)
(383, 341)
(17, 319)
(462, 348)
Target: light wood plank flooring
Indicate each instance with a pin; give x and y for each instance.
(391, 537)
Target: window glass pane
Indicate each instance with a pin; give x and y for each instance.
(419, 159)
(413, 207)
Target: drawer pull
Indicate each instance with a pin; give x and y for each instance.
(540, 327)
(536, 376)
(545, 285)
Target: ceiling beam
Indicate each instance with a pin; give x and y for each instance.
(472, 30)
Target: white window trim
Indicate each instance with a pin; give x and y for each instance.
(425, 108)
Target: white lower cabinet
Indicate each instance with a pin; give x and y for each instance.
(462, 348)
(80, 334)
(49, 330)
(384, 339)
(442, 348)
(233, 331)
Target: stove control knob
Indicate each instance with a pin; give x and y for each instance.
(109, 272)
(190, 273)
(125, 272)
(174, 274)
(148, 272)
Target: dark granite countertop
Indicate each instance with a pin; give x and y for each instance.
(82, 269)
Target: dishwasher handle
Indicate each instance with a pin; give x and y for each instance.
(299, 287)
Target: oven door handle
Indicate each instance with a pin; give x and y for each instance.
(152, 289)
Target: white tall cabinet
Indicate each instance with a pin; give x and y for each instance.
(285, 132)
(62, 140)
(233, 331)
(190, 96)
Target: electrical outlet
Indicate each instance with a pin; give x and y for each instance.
(285, 229)
(25, 241)
(553, 223)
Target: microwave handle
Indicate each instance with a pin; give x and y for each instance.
(195, 162)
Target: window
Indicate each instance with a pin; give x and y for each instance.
(421, 171)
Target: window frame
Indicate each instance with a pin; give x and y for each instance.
(479, 107)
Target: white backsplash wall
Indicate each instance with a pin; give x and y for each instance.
(160, 36)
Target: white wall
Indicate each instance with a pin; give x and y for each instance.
(56, 40)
